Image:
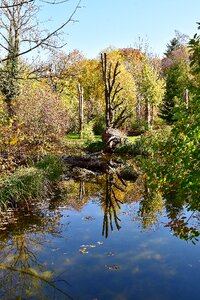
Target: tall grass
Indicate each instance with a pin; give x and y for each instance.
(27, 184)
(52, 166)
(19, 188)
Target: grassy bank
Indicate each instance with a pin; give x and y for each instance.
(19, 189)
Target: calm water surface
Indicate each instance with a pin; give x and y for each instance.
(88, 245)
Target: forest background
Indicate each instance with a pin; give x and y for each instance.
(40, 99)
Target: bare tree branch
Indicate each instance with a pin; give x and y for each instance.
(51, 34)
(55, 2)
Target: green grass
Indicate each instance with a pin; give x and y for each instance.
(27, 184)
(73, 141)
(74, 137)
(132, 139)
(52, 166)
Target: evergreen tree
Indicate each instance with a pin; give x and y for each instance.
(176, 72)
(173, 45)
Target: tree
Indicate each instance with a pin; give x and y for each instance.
(90, 78)
(81, 98)
(21, 34)
(179, 41)
(176, 70)
(115, 113)
(151, 89)
(178, 171)
(194, 49)
(60, 70)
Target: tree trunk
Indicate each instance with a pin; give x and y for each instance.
(152, 115)
(80, 96)
(111, 91)
(138, 111)
(186, 96)
(147, 112)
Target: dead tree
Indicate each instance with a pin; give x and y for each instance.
(115, 114)
(80, 97)
(111, 205)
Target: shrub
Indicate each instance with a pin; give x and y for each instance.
(88, 133)
(95, 146)
(99, 125)
(52, 166)
(44, 114)
(149, 144)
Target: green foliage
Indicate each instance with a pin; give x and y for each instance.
(22, 186)
(152, 86)
(95, 146)
(153, 141)
(99, 125)
(176, 167)
(25, 184)
(183, 155)
(130, 148)
(177, 73)
(88, 133)
(173, 45)
(194, 48)
(52, 167)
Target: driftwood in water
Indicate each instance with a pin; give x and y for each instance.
(86, 162)
(83, 174)
(81, 164)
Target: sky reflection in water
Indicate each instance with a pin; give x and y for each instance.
(62, 254)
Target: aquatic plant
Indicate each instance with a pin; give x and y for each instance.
(22, 186)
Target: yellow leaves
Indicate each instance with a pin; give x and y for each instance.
(32, 271)
(47, 274)
(14, 141)
(2, 266)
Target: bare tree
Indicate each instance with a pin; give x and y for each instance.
(115, 114)
(80, 96)
(21, 34)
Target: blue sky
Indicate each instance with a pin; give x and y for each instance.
(120, 23)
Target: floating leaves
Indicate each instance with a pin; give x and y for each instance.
(83, 250)
(113, 267)
(89, 218)
(110, 253)
(55, 249)
(92, 246)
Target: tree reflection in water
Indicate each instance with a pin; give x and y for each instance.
(182, 221)
(111, 192)
(112, 202)
(21, 273)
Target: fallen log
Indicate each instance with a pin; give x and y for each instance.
(98, 165)
(112, 138)
(86, 162)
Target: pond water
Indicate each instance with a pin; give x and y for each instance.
(101, 241)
